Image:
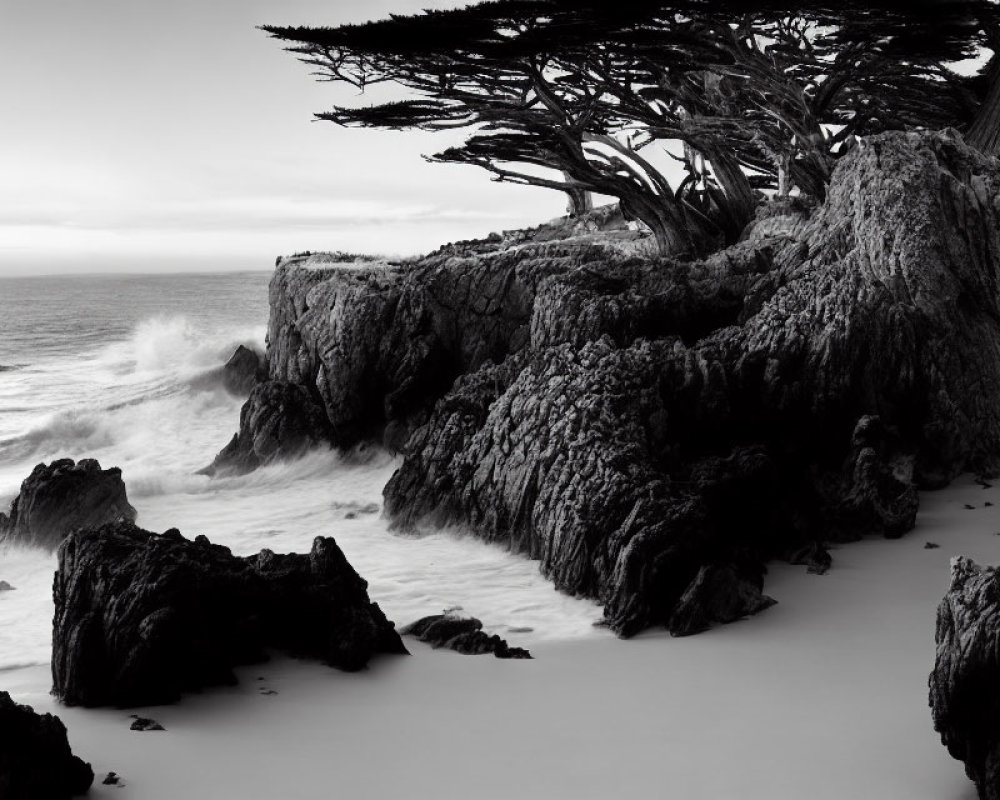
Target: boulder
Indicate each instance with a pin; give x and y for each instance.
(718, 594)
(462, 634)
(244, 369)
(965, 682)
(279, 420)
(142, 617)
(144, 724)
(36, 762)
(59, 497)
(814, 557)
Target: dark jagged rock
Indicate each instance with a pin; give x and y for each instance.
(377, 347)
(814, 557)
(965, 682)
(641, 426)
(931, 545)
(718, 594)
(36, 762)
(875, 498)
(244, 369)
(59, 497)
(279, 420)
(853, 357)
(461, 634)
(112, 779)
(141, 617)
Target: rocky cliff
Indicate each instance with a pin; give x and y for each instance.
(653, 431)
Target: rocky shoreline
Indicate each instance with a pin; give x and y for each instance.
(654, 432)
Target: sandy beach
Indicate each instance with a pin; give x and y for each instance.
(823, 696)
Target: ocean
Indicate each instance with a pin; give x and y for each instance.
(125, 369)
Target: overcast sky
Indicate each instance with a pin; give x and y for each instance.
(151, 134)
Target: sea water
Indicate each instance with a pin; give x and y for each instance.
(126, 369)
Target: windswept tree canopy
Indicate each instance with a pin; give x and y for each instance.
(748, 97)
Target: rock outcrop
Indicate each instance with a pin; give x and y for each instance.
(279, 420)
(463, 635)
(373, 349)
(719, 594)
(628, 459)
(965, 683)
(244, 369)
(142, 617)
(36, 762)
(654, 431)
(59, 497)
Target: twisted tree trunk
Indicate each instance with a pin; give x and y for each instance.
(579, 201)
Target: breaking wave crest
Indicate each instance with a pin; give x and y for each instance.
(155, 398)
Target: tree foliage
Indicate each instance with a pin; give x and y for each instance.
(749, 98)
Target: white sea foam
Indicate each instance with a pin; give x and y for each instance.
(150, 404)
(138, 402)
(26, 611)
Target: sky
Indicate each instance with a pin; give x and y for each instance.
(143, 135)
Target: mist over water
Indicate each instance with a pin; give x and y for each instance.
(127, 370)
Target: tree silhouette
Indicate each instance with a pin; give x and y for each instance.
(749, 97)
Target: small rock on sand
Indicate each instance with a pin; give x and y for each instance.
(145, 724)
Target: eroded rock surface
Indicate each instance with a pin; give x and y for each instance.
(36, 762)
(649, 429)
(280, 420)
(59, 497)
(628, 450)
(142, 617)
(965, 683)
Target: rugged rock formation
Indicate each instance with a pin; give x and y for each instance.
(143, 724)
(654, 431)
(36, 762)
(141, 617)
(965, 683)
(244, 369)
(278, 420)
(375, 348)
(629, 460)
(461, 634)
(61, 496)
(814, 557)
